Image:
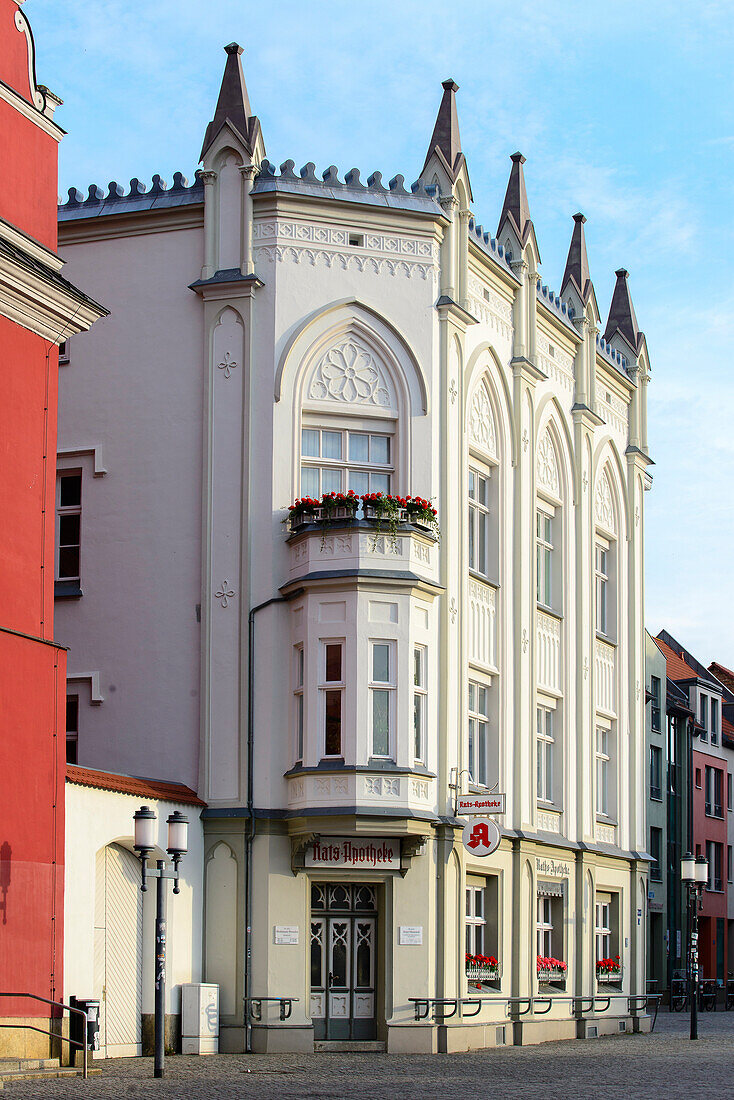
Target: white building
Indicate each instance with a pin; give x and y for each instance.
(275, 334)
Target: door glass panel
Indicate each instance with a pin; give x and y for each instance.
(317, 954)
(339, 954)
(363, 978)
(339, 897)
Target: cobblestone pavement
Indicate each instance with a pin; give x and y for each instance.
(665, 1064)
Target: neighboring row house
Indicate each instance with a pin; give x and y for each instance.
(328, 687)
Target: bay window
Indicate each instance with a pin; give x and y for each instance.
(331, 691)
(382, 697)
(338, 459)
(419, 704)
(298, 697)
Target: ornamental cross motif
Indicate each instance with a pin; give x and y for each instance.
(227, 365)
(585, 480)
(453, 390)
(586, 668)
(525, 440)
(224, 593)
(453, 610)
(525, 641)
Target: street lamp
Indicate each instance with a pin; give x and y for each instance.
(694, 873)
(145, 829)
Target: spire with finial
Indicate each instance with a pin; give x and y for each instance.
(515, 208)
(577, 264)
(622, 317)
(233, 105)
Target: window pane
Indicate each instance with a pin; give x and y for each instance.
(299, 720)
(380, 449)
(472, 485)
(358, 481)
(482, 753)
(333, 731)
(482, 562)
(380, 723)
(71, 750)
(310, 481)
(69, 562)
(331, 444)
(358, 447)
(483, 491)
(482, 700)
(472, 692)
(310, 442)
(70, 491)
(333, 663)
(379, 483)
(418, 667)
(472, 538)
(69, 530)
(72, 714)
(418, 727)
(381, 663)
(331, 481)
(472, 725)
(299, 667)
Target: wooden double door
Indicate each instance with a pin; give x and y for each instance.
(343, 960)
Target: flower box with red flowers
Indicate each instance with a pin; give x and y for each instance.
(331, 507)
(609, 970)
(482, 968)
(384, 506)
(550, 969)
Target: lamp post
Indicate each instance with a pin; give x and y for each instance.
(178, 824)
(694, 873)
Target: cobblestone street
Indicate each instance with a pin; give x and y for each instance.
(664, 1064)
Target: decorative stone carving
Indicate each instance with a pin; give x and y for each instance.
(420, 788)
(603, 508)
(372, 785)
(224, 593)
(391, 786)
(227, 365)
(349, 373)
(547, 465)
(481, 421)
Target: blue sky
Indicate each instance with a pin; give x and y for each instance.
(624, 110)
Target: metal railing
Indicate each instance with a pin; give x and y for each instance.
(444, 1008)
(55, 1034)
(254, 1006)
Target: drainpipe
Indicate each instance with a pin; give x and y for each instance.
(250, 800)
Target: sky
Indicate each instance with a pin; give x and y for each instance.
(624, 110)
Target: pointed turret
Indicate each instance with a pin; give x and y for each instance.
(233, 105)
(445, 139)
(577, 264)
(515, 208)
(622, 317)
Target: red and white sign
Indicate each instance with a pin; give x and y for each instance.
(363, 852)
(477, 805)
(481, 838)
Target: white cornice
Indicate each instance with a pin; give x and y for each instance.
(30, 246)
(43, 307)
(24, 108)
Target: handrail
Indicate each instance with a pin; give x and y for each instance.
(54, 1034)
(256, 1013)
(523, 1006)
(422, 1006)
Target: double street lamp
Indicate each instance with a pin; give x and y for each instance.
(694, 873)
(145, 842)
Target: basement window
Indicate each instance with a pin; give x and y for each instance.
(356, 239)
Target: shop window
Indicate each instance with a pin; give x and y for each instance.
(420, 704)
(481, 931)
(382, 697)
(551, 966)
(72, 729)
(338, 459)
(331, 690)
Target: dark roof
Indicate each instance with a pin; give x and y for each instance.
(577, 264)
(515, 207)
(682, 665)
(37, 267)
(159, 197)
(233, 105)
(622, 318)
(445, 137)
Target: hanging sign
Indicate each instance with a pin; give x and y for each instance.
(481, 838)
(363, 852)
(478, 805)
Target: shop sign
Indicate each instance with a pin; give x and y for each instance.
(286, 933)
(553, 868)
(477, 805)
(365, 853)
(481, 838)
(410, 934)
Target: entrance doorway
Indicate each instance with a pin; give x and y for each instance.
(118, 947)
(343, 949)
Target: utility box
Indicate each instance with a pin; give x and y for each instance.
(91, 1007)
(199, 1019)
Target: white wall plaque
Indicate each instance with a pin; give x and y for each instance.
(478, 805)
(410, 934)
(285, 933)
(363, 852)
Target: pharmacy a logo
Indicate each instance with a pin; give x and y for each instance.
(481, 838)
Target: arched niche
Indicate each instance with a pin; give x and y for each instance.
(220, 943)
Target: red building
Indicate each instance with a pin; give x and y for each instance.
(38, 310)
(709, 774)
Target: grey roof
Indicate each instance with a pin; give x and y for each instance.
(37, 267)
(233, 105)
(491, 246)
(515, 207)
(445, 137)
(622, 317)
(159, 197)
(577, 264)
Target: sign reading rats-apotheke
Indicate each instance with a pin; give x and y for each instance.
(363, 852)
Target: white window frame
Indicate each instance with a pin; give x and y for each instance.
(703, 709)
(714, 719)
(420, 702)
(544, 926)
(326, 686)
(476, 919)
(478, 518)
(477, 744)
(343, 465)
(388, 686)
(545, 748)
(544, 550)
(603, 928)
(299, 702)
(68, 510)
(602, 553)
(604, 755)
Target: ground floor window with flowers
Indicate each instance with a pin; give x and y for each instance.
(549, 924)
(608, 963)
(482, 964)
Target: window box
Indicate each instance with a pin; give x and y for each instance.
(482, 968)
(551, 971)
(376, 511)
(609, 970)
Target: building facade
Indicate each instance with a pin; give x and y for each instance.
(328, 681)
(658, 793)
(38, 310)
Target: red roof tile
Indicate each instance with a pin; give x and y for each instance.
(676, 666)
(130, 784)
